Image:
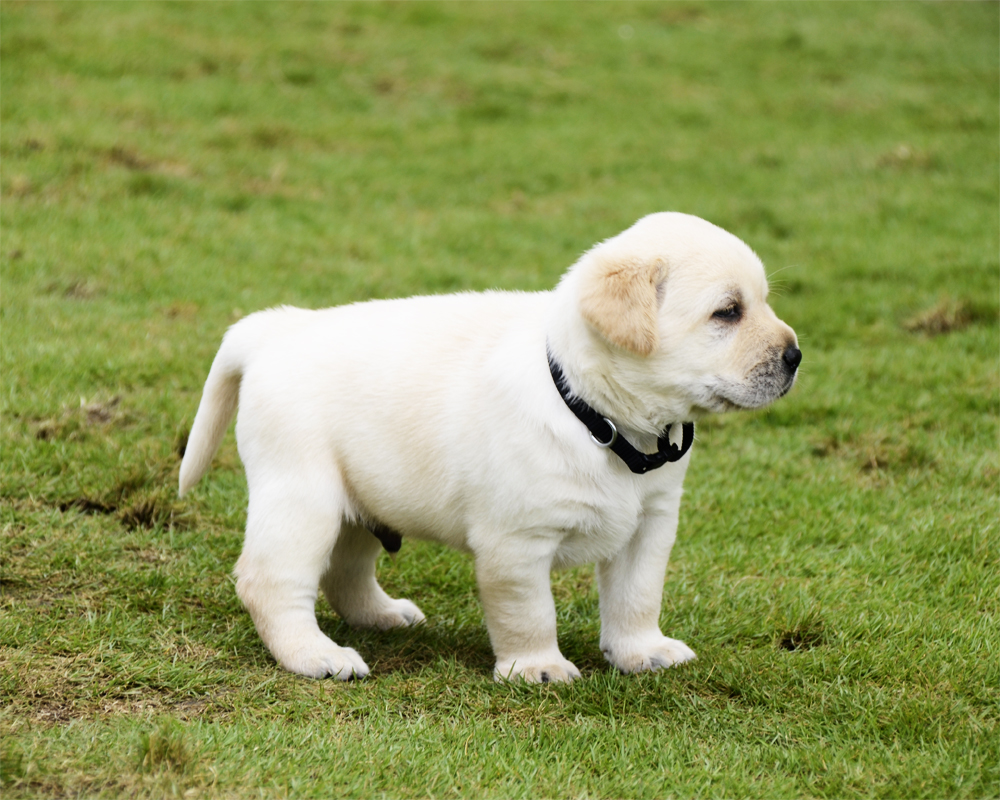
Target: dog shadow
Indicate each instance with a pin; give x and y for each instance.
(407, 651)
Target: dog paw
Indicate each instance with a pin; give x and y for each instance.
(398, 614)
(544, 669)
(648, 654)
(325, 659)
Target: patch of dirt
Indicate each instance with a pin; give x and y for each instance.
(75, 288)
(147, 510)
(875, 452)
(101, 412)
(181, 310)
(142, 497)
(880, 455)
(72, 421)
(129, 159)
(53, 690)
(805, 637)
(949, 315)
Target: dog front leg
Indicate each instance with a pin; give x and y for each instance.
(520, 613)
(631, 592)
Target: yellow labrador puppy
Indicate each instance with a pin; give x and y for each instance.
(534, 431)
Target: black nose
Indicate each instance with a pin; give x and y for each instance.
(792, 357)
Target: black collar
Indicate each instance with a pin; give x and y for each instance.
(605, 434)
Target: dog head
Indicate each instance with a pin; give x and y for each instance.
(677, 308)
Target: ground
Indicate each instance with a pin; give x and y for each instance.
(168, 168)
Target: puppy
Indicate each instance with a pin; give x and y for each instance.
(534, 431)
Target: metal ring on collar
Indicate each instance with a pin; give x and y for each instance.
(609, 442)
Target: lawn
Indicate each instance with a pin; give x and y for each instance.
(167, 168)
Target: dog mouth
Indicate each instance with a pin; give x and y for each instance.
(762, 388)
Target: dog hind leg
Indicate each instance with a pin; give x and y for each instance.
(352, 589)
(292, 526)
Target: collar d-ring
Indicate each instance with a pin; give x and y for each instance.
(614, 435)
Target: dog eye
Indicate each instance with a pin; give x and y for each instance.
(730, 313)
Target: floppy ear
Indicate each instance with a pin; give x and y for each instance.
(620, 297)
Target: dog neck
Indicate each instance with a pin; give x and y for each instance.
(604, 432)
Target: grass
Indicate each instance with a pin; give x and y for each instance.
(167, 168)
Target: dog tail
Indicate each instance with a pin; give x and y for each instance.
(218, 402)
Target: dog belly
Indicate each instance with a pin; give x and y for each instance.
(413, 521)
(465, 508)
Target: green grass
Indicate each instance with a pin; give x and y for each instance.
(165, 169)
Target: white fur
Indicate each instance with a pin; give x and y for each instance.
(437, 417)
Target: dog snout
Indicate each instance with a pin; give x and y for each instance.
(792, 358)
